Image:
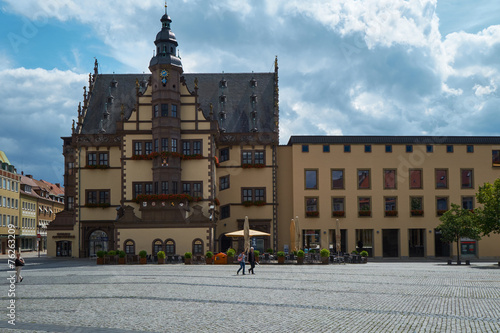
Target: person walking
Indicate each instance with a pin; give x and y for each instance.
(19, 263)
(251, 260)
(241, 259)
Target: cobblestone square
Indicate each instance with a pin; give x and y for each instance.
(79, 296)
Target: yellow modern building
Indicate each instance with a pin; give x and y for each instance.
(9, 204)
(383, 193)
(173, 161)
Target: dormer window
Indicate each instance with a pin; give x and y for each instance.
(253, 99)
(223, 83)
(222, 99)
(253, 83)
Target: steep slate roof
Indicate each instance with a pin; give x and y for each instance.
(238, 105)
(355, 139)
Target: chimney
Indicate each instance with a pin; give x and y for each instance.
(58, 185)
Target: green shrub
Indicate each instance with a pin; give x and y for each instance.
(256, 252)
(209, 254)
(364, 253)
(231, 252)
(161, 254)
(112, 253)
(101, 254)
(300, 253)
(188, 255)
(324, 253)
(121, 254)
(143, 254)
(312, 251)
(354, 252)
(280, 254)
(270, 251)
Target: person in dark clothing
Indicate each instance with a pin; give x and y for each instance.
(241, 260)
(251, 260)
(360, 245)
(19, 263)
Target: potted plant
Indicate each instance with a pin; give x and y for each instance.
(111, 257)
(230, 255)
(100, 257)
(300, 257)
(209, 257)
(364, 256)
(161, 257)
(281, 257)
(143, 254)
(121, 257)
(257, 254)
(187, 258)
(325, 254)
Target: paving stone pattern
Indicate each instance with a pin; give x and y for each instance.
(79, 296)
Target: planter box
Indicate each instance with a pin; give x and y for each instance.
(187, 261)
(324, 260)
(161, 260)
(209, 261)
(300, 260)
(417, 212)
(122, 261)
(143, 261)
(365, 213)
(281, 260)
(100, 261)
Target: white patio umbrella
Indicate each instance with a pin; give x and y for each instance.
(246, 235)
(292, 235)
(251, 232)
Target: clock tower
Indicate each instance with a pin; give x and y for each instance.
(166, 71)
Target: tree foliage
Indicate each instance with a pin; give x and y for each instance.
(488, 216)
(458, 223)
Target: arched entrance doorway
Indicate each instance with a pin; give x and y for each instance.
(98, 241)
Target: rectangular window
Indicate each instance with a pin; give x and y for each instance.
(468, 203)
(312, 207)
(104, 197)
(247, 195)
(441, 178)
(415, 178)
(338, 207)
(347, 148)
(258, 157)
(196, 147)
(175, 187)
(495, 157)
(409, 148)
(441, 205)
(337, 179)
(164, 110)
(92, 159)
(368, 148)
(224, 155)
(388, 148)
(197, 192)
(311, 179)
(326, 148)
(416, 206)
(103, 159)
(225, 212)
(364, 179)
(148, 148)
(259, 194)
(470, 148)
(137, 148)
(364, 206)
(246, 157)
(186, 188)
(92, 197)
(467, 177)
(449, 148)
(148, 188)
(155, 111)
(164, 144)
(391, 208)
(156, 146)
(186, 148)
(429, 148)
(174, 110)
(390, 179)
(224, 183)
(305, 148)
(164, 187)
(156, 189)
(174, 145)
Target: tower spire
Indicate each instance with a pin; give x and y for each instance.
(166, 8)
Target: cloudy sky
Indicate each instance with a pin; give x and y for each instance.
(352, 67)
